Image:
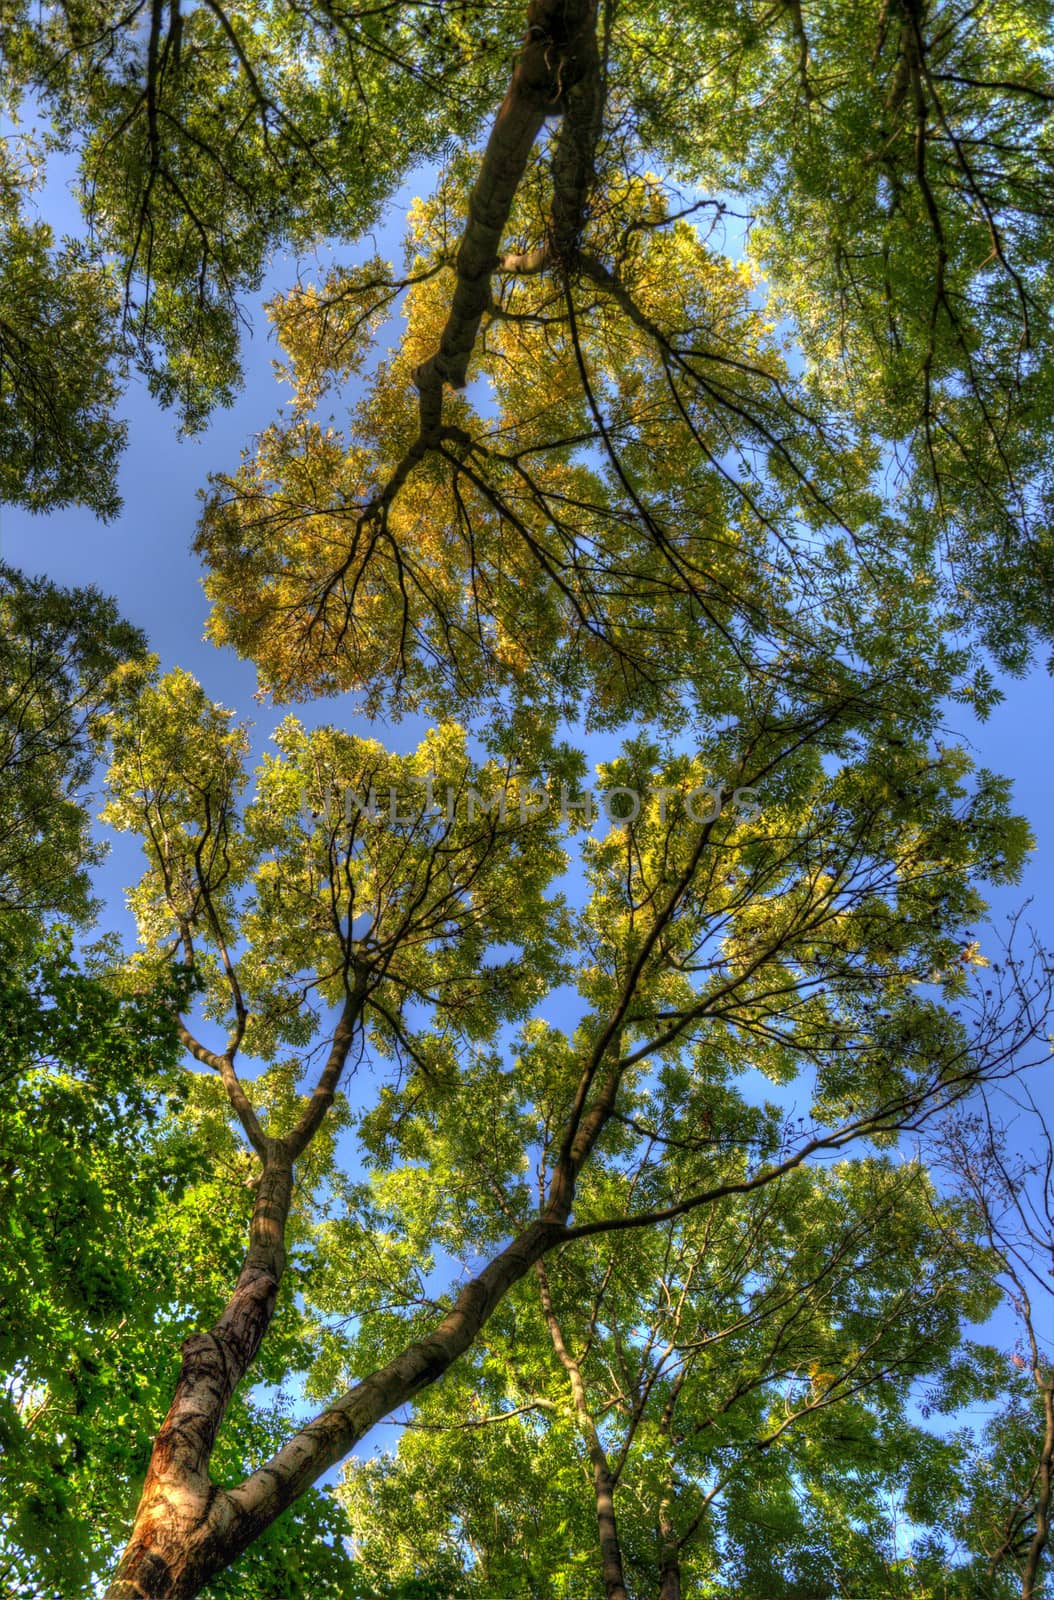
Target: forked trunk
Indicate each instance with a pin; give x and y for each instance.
(178, 1543)
(186, 1531)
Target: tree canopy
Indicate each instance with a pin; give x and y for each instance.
(708, 407)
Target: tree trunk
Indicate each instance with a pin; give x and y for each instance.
(1041, 1535)
(603, 1478)
(669, 1556)
(186, 1530)
(607, 1532)
(182, 1517)
(558, 61)
(670, 1576)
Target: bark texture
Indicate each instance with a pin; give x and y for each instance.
(183, 1521)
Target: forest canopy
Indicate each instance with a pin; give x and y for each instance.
(635, 1130)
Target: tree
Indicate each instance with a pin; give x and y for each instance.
(890, 161)
(60, 651)
(210, 136)
(1005, 1489)
(85, 1073)
(738, 1371)
(59, 361)
(87, 1068)
(766, 509)
(413, 937)
(116, 1169)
